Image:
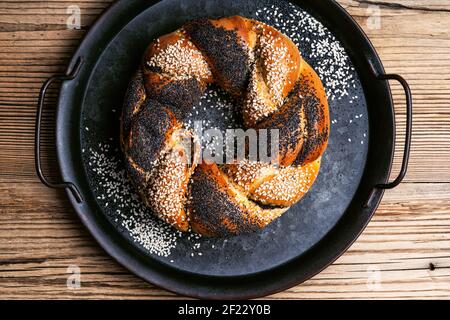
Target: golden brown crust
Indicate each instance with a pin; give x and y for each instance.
(242, 26)
(249, 175)
(175, 72)
(176, 56)
(275, 73)
(288, 185)
(158, 163)
(317, 116)
(290, 121)
(264, 70)
(134, 99)
(227, 46)
(217, 207)
(267, 185)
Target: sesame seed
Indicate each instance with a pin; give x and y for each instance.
(118, 197)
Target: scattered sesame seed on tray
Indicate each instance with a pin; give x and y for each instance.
(116, 192)
(117, 197)
(315, 43)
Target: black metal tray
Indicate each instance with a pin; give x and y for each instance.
(305, 240)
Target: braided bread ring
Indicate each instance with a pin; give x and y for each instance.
(257, 65)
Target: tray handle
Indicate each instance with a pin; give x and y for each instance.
(407, 148)
(69, 75)
(409, 116)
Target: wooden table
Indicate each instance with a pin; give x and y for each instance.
(404, 253)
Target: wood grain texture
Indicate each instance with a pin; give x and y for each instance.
(406, 246)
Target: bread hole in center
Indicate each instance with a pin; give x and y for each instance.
(215, 112)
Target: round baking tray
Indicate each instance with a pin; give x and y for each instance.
(311, 235)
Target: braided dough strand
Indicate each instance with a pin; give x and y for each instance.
(264, 72)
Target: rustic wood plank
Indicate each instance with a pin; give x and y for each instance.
(41, 237)
(407, 245)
